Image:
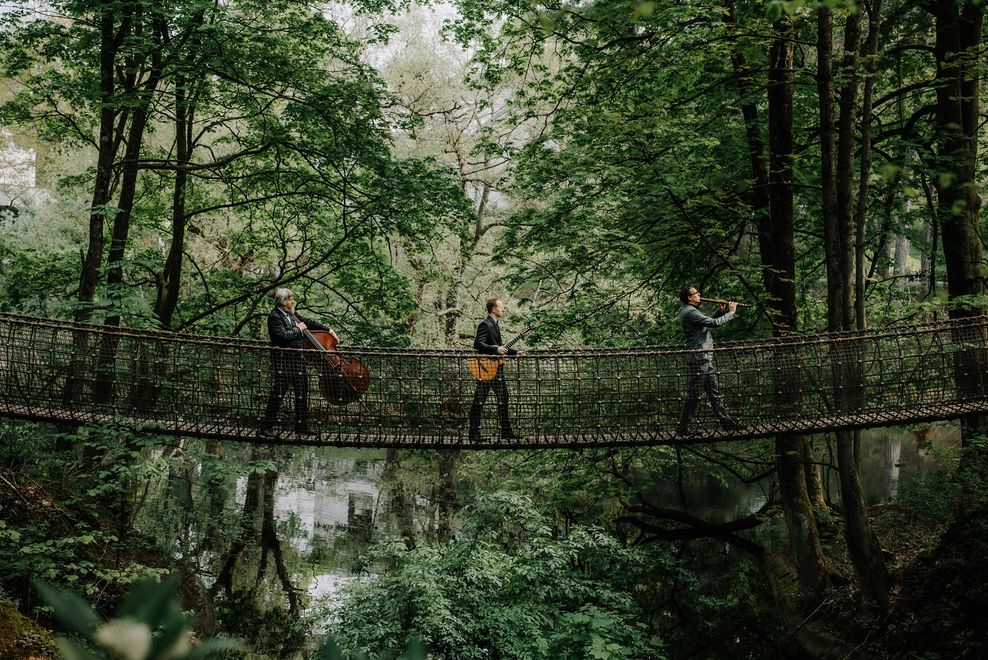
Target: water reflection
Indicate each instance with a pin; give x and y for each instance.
(890, 457)
(291, 530)
(335, 499)
(334, 502)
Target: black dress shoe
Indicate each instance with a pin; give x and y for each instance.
(729, 424)
(268, 432)
(305, 430)
(685, 431)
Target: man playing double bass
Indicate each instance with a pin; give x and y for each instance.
(287, 370)
(488, 342)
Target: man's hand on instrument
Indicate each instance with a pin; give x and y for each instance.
(501, 350)
(732, 306)
(520, 353)
(301, 326)
(335, 336)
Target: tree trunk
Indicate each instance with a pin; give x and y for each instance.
(170, 279)
(776, 249)
(958, 34)
(828, 159)
(958, 30)
(900, 262)
(841, 289)
(848, 374)
(861, 217)
(104, 387)
(772, 207)
(108, 145)
(812, 635)
(110, 40)
(446, 493)
(815, 490)
(776, 241)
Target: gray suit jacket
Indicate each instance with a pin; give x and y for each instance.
(696, 327)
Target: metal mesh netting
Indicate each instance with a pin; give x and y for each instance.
(211, 387)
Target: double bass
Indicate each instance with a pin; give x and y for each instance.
(342, 379)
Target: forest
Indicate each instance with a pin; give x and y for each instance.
(169, 165)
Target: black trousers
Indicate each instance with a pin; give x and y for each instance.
(287, 373)
(701, 375)
(484, 388)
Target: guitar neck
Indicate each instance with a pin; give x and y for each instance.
(518, 338)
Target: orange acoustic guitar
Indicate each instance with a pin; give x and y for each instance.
(485, 367)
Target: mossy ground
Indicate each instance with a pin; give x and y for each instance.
(23, 639)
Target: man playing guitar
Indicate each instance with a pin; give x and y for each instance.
(488, 342)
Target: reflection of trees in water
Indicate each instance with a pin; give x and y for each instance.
(173, 508)
(217, 484)
(330, 504)
(891, 457)
(400, 505)
(258, 530)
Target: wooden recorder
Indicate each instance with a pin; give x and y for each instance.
(724, 302)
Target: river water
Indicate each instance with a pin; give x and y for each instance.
(284, 521)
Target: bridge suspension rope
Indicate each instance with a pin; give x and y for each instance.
(212, 387)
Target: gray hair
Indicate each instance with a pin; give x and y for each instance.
(281, 295)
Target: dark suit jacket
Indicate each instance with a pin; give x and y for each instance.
(283, 331)
(489, 338)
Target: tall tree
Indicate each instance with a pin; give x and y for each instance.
(960, 62)
(840, 235)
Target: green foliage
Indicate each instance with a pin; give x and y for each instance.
(61, 529)
(508, 587)
(148, 625)
(266, 628)
(930, 498)
(972, 473)
(330, 650)
(35, 281)
(289, 179)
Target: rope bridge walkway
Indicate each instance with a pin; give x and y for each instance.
(217, 388)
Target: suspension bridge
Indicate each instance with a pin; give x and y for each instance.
(208, 387)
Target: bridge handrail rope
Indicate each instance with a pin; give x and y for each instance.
(794, 339)
(194, 385)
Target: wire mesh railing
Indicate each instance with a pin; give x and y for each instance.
(211, 387)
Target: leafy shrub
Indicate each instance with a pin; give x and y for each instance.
(506, 587)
